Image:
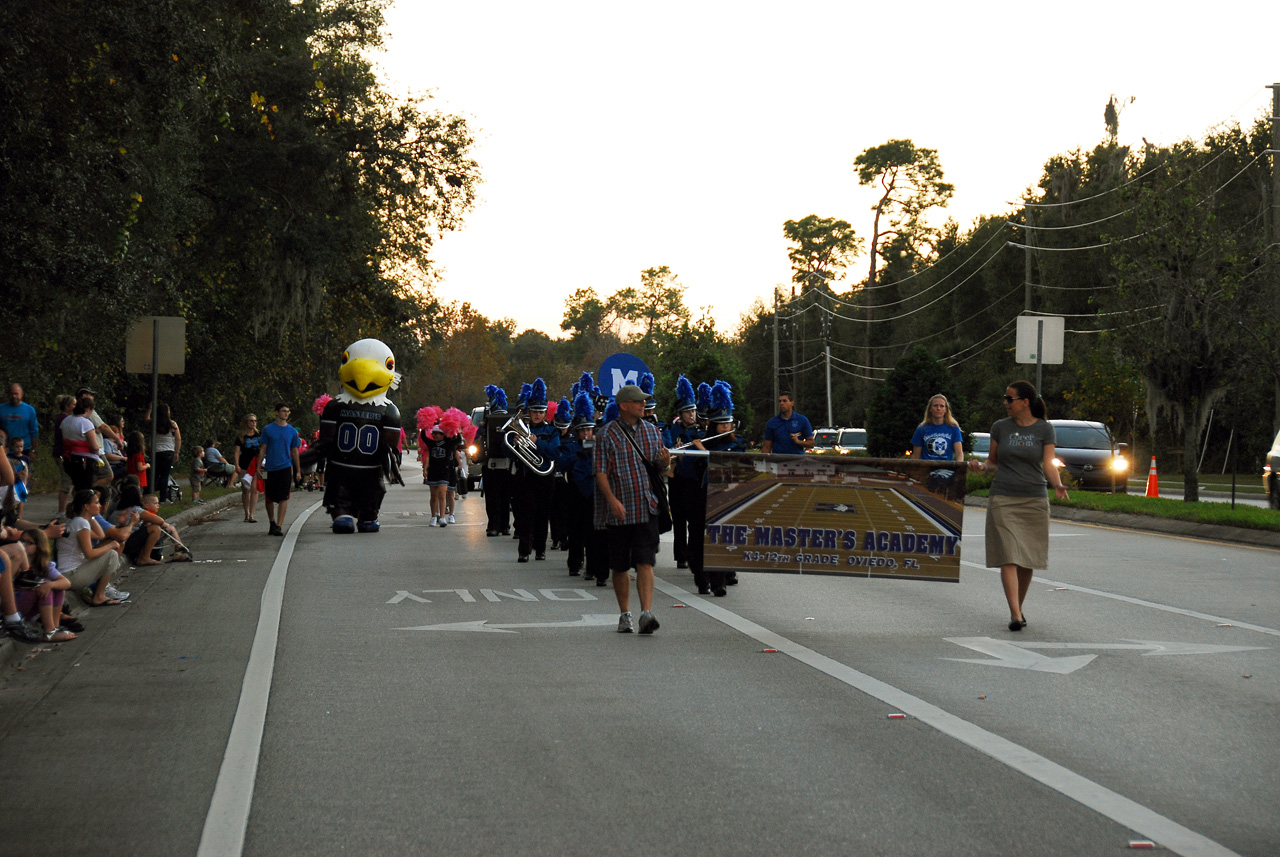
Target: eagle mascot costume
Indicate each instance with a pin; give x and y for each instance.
(360, 436)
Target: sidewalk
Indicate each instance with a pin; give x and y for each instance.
(40, 509)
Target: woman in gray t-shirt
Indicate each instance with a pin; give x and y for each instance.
(1017, 532)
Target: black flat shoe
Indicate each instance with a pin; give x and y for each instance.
(719, 592)
(1017, 625)
(524, 557)
(704, 590)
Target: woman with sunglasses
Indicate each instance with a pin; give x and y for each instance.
(248, 443)
(1017, 532)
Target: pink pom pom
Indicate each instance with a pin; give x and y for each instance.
(428, 416)
(321, 400)
(452, 421)
(469, 432)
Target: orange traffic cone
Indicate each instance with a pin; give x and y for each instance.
(1153, 484)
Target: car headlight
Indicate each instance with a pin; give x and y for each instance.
(1057, 462)
(1119, 464)
(472, 450)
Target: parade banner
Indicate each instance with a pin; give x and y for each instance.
(825, 514)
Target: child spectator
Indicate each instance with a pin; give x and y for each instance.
(137, 465)
(41, 589)
(13, 497)
(140, 549)
(115, 451)
(198, 470)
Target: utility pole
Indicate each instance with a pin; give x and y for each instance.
(1275, 212)
(775, 343)
(1026, 263)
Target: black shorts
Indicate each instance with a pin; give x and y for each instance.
(279, 483)
(631, 545)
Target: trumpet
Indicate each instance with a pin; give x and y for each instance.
(520, 442)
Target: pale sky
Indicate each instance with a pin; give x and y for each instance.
(618, 137)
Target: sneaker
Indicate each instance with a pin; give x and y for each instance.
(24, 631)
(344, 524)
(444, 522)
(118, 594)
(451, 520)
(275, 530)
(435, 522)
(198, 501)
(648, 623)
(369, 526)
(625, 625)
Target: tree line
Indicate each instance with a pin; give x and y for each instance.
(237, 163)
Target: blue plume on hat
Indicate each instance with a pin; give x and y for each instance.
(684, 394)
(646, 383)
(585, 383)
(721, 402)
(584, 412)
(498, 399)
(563, 414)
(526, 390)
(538, 396)
(703, 398)
(611, 412)
(489, 390)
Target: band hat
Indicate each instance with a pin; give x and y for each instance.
(85, 391)
(630, 393)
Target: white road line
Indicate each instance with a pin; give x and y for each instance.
(1166, 832)
(1194, 614)
(228, 818)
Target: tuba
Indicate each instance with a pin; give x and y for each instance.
(520, 442)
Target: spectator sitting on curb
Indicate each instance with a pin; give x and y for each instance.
(125, 518)
(88, 565)
(140, 548)
(41, 589)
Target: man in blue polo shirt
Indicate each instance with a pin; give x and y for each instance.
(18, 419)
(788, 433)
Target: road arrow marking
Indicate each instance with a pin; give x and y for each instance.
(1015, 657)
(1156, 647)
(588, 620)
(1018, 656)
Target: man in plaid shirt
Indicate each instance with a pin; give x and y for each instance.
(625, 505)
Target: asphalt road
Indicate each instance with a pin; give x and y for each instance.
(422, 693)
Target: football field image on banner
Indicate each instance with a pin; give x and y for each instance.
(865, 517)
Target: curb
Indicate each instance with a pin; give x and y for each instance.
(11, 652)
(1162, 526)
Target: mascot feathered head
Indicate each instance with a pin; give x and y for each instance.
(368, 373)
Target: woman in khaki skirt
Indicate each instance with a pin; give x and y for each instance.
(1021, 458)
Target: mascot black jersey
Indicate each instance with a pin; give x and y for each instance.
(358, 435)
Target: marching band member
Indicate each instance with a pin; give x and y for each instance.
(720, 438)
(497, 465)
(686, 479)
(559, 498)
(531, 490)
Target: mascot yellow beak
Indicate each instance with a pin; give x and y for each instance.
(365, 378)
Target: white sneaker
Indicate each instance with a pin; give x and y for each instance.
(435, 522)
(451, 520)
